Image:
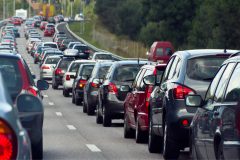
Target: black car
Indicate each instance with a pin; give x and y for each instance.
(187, 72)
(59, 71)
(110, 97)
(215, 129)
(91, 87)
(83, 73)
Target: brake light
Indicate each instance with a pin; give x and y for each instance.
(68, 78)
(149, 91)
(45, 67)
(179, 92)
(81, 83)
(32, 91)
(58, 71)
(94, 85)
(112, 88)
(8, 142)
(185, 123)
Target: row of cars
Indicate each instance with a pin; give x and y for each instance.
(21, 114)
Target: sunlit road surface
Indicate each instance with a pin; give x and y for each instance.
(71, 134)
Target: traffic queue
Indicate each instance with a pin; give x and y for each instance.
(188, 100)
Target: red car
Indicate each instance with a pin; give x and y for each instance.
(137, 102)
(43, 25)
(49, 32)
(16, 21)
(160, 51)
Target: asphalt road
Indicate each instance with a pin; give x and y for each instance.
(71, 134)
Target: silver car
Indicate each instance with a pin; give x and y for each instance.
(14, 140)
(47, 68)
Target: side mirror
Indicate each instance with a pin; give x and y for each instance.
(149, 80)
(193, 101)
(42, 85)
(125, 88)
(29, 103)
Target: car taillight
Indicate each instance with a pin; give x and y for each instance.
(179, 92)
(149, 91)
(8, 142)
(81, 83)
(68, 77)
(58, 71)
(112, 88)
(94, 85)
(32, 91)
(45, 67)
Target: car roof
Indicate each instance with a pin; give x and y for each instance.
(54, 56)
(125, 62)
(12, 55)
(232, 59)
(84, 60)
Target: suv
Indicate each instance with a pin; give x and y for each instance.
(214, 131)
(187, 72)
(137, 102)
(111, 97)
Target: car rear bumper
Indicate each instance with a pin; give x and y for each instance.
(93, 98)
(114, 107)
(67, 84)
(231, 149)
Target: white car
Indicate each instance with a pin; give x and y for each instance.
(101, 56)
(47, 68)
(50, 44)
(79, 17)
(69, 76)
(30, 42)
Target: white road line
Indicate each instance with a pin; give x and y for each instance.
(71, 127)
(59, 114)
(51, 103)
(93, 148)
(45, 96)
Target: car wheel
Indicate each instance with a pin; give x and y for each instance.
(65, 93)
(37, 150)
(155, 143)
(90, 110)
(54, 86)
(170, 150)
(99, 118)
(220, 155)
(73, 98)
(127, 130)
(84, 107)
(107, 121)
(140, 136)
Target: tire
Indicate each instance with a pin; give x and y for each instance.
(219, 155)
(170, 150)
(90, 110)
(73, 98)
(37, 150)
(54, 86)
(128, 132)
(107, 121)
(155, 143)
(65, 93)
(84, 108)
(99, 118)
(140, 136)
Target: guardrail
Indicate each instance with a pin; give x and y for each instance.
(95, 48)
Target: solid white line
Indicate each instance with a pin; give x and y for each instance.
(45, 96)
(59, 114)
(71, 127)
(51, 103)
(93, 148)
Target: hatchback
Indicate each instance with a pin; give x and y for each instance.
(187, 72)
(215, 128)
(111, 98)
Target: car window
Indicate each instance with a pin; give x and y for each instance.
(87, 70)
(159, 52)
(103, 56)
(173, 68)
(51, 45)
(74, 67)
(213, 85)
(65, 63)
(126, 73)
(167, 69)
(219, 94)
(81, 48)
(103, 71)
(233, 89)
(136, 78)
(203, 68)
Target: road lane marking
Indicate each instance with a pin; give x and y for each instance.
(51, 103)
(45, 96)
(71, 127)
(93, 148)
(59, 114)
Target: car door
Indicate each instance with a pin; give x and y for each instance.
(212, 108)
(200, 121)
(157, 109)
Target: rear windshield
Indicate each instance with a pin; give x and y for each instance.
(52, 60)
(103, 71)
(87, 70)
(74, 67)
(11, 75)
(203, 68)
(103, 56)
(65, 63)
(81, 48)
(126, 73)
(51, 45)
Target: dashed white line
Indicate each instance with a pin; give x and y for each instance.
(93, 148)
(59, 114)
(45, 96)
(51, 103)
(71, 127)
